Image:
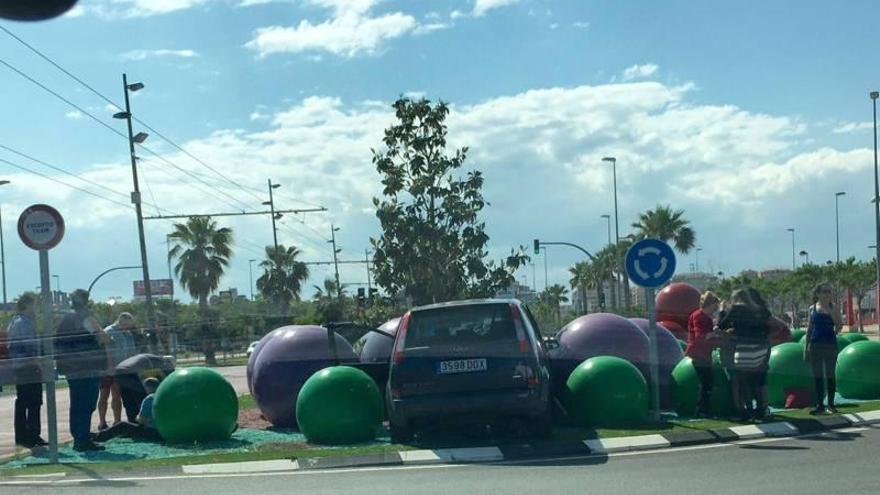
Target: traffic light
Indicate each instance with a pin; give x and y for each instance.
(537, 246)
(362, 298)
(602, 299)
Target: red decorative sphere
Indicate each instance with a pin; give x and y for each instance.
(676, 302)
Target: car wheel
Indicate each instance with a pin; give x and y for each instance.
(400, 434)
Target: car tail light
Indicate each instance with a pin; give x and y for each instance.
(521, 337)
(400, 341)
(534, 381)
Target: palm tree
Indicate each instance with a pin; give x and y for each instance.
(554, 296)
(666, 224)
(330, 305)
(283, 275)
(202, 251)
(586, 275)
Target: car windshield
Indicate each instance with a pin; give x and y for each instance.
(461, 325)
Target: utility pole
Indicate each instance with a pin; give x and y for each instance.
(544, 249)
(367, 261)
(332, 240)
(136, 195)
(271, 205)
(251, 277)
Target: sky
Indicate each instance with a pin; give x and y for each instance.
(749, 116)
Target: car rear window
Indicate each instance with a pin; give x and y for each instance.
(461, 325)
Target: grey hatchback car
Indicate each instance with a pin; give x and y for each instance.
(468, 360)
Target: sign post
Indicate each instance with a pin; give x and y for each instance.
(650, 263)
(41, 228)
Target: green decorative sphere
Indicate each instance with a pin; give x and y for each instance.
(797, 335)
(195, 405)
(339, 405)
(854, 337)
(858, 371)
(606, 390)
(787, 370)
(686, 388)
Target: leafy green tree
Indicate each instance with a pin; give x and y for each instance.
(282, 278)
(433, 245)
(859, 277)
(666, 224)
(202, 250)
(553, 297)
(330, 306)
(586, 275)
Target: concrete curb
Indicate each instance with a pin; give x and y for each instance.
(537, 451)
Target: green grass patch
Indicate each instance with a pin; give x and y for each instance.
(246, 401)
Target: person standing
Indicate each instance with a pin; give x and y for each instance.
(821, 346)
(699, 347)
(121, 346)
(24, 349)
(748, 322)
(82, 358)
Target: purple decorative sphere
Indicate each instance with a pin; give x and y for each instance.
(287, 357)
(669, 353)
(599, 334)
(375, 347)
(253, 359)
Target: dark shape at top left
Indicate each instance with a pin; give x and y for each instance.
(34, 10)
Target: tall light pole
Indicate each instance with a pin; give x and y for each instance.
(251, 277)
(333, 231)
(534, 283)
(837, 196)
(805, 255)
(271, 205)
(136, 195)
(793, 265)
(608, 218)
(874, 95)
(544, 250)
(613, 161)
(57, 282)
(2, 249)
(697, 259)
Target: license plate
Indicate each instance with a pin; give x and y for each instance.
(461, 366)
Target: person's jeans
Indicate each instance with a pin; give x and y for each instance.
(823, 361)
(83, 399)
(28, 399)
(704, 374)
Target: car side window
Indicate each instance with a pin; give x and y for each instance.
(534, 323)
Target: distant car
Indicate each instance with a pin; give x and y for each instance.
(251, 347)
(467, 360)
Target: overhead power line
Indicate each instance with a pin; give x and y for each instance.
(111, 102)
(45, 176)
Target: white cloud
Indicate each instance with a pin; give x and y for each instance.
(850, 127)
(430, 28)
(351, 31)
(553, 26)
(455, 14)
(639, 71)
(145, 54)
(127, 9)
(580, 25)
(483, 6)
(74, 115)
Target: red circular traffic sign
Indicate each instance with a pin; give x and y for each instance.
(40, 227)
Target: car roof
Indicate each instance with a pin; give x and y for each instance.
(465, 302)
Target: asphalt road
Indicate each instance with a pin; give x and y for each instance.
(842, 462)
(235, 374)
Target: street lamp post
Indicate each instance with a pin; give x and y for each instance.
(874, 95)
(697, 259)
(837, 196)
(608, 218)
(613, 161)
(2, 249)
(544, 249)
(333, 231)
(793, 264)
(805, 255)
(57, 283)
(251, 277)
(136, 195)
(271, 205)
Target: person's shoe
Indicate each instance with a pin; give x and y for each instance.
(832, 409)
(102, 427)
(39, 442)
(87, 447)
(817, 411)
(28, 444)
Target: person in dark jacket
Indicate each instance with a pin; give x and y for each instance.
(821, 346)
(81, 356)
(24, 349)
(747, 321)
(699, 347)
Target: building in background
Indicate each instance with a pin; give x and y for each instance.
(519, 291)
